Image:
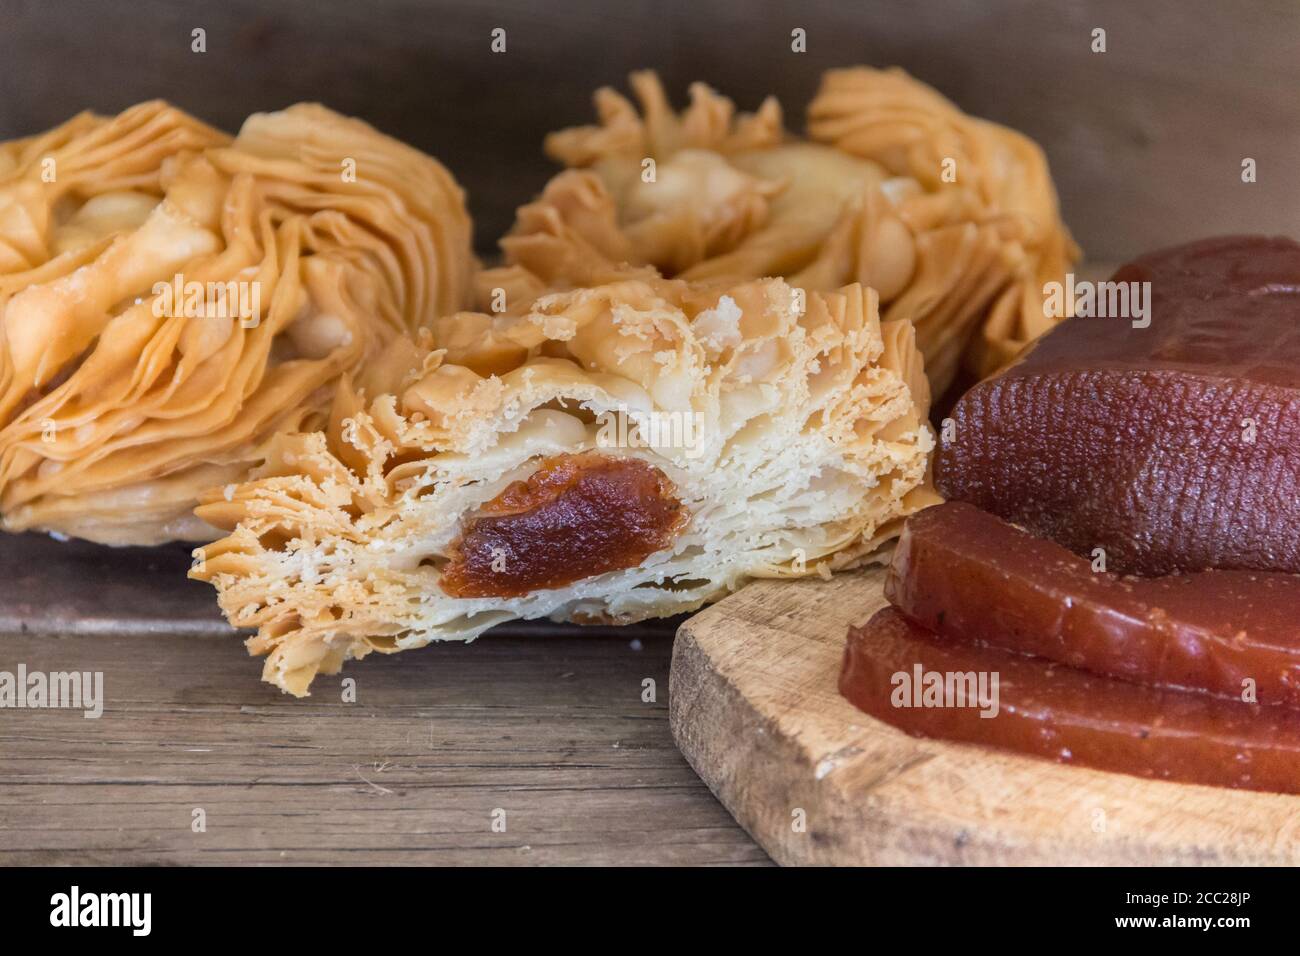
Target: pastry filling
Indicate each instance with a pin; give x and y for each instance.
(577, 516)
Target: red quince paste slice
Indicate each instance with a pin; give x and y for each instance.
(968, 575)
(1174, 446)
(1060, 713)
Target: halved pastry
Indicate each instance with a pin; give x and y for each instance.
(952, 219)
(611, 454)
(170, 298)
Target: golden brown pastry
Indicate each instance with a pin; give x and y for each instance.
(170, 298)
(952, 219)
(606, 454)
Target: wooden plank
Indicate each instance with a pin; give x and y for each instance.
(552, 730)
(1145, 140)
(754, 708)
(77, 587)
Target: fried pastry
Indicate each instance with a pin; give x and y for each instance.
(170, 298)
(952, 219)
(611, 454)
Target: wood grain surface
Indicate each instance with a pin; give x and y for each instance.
(546, 723)
(1145, 140)
(551, 730)
(755, 709)
(1146, 143)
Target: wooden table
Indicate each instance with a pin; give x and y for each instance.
(548, 725)
(1146, 143)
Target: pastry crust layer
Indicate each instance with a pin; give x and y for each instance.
(790, 431)
(952, 219)
(171, 297)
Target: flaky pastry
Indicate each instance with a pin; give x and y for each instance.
(952, 219)
(608, 454)
(170, 298)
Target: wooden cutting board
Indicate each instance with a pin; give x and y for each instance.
(754, 707)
